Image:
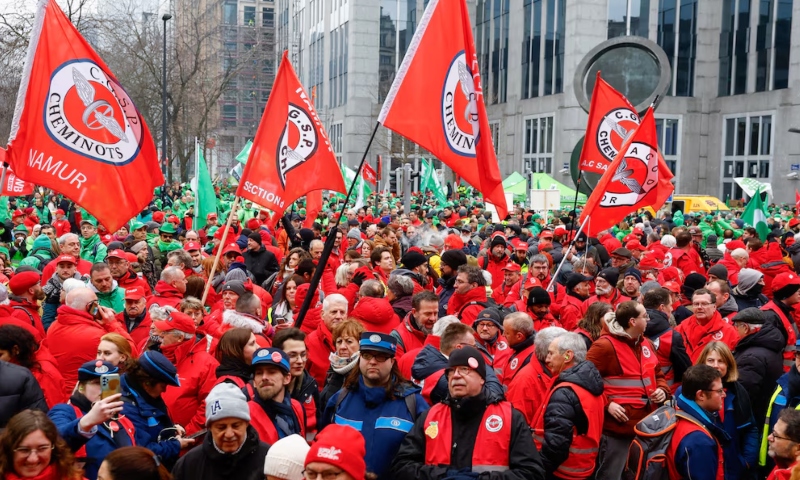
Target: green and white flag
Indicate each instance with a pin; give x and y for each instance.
(755, 216)
(750, 186)
(430, 181)
(245, 153)
(205, 198)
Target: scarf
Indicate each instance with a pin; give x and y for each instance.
(88, 243)
(696, 334)
(281, 414)
(342, 365)
(49, 473)
(233, 367)
(132, 322)
(167, 247)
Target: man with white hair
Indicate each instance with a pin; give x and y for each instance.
(69, 244)
(170, 289)
(320, 341)
(569, 425)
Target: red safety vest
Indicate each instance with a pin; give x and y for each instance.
(663, 345)
(264, 426)
(791, 329)
(515, 364)
(123, 421)
(684, 427)
(584, 448)
(638, 379)
(430, 383)
(492, 444)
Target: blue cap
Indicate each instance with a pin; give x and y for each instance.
(272, 356)
(159, 368)
(92, 370)
(378, 342)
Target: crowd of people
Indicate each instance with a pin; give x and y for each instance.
(438, 344)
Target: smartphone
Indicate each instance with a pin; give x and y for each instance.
(109, 385)
(94, 310)
(198, 433)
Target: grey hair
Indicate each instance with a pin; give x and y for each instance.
(400, 285)
(78, 298)
(572, 341)
(185, 335)
(544, 338)
(521, 322)
(442, 324)
(538, 258)
(740, 253)
(371, 288)
(334, 299)
(64, 238)
(161, 313)
(316, 243)
(170, 274)
(183, 257)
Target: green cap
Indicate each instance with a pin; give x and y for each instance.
(90, 221)
(709, 218)
(137, 226)
(20, 229)
(167, 227)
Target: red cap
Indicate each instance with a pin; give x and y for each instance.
(784, 280)
(176, 321)
(519, 244)
(117, 254)
(635, 245)
(511, 267)
(59, 212)
(211, 215)
(673, 287)
(131, 257)
(532, 282)
(793, 222)
(638, 231)
(136, 293)
(734, 244)
(630, 238)
(454, 242)
(253, 224)
(21, 282)
(231, 247)
(18, 213)
(649, 262)
(560, 230)
(190, 246)
(546, 234)
(341, 446)
(66, 259)
(173, 219)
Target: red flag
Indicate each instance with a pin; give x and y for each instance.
(380, 168)
(14, 185)
(796, 202)
(612, 119)
(436, 99)
(369, 175)
(637, 178)
(75, 130)
(313, 207)
(291, 153)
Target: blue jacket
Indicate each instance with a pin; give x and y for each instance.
(430, 360)
(448, 288)
(698, 446)
(149, 421)
(383, 422)
(741, 454)
(97, 446)
(786, 394)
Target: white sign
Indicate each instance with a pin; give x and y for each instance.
(509, 207)
(545, 200)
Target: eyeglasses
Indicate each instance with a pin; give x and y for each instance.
(379, 357)
(40, 451)
(779, 437)
(702, 305)
(326, 475)
(461, 371)
(486, 325)
(720, 392)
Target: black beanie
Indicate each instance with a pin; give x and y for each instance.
(538, 296)
(454, 258)
(255, 237)
(468, 357)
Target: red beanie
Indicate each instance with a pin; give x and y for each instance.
(21, 282)
(341, 446)
(253, 224)
(300, 295)
(158, 217)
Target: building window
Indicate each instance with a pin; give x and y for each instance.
(668, 130)
(268, 17)
(229, 13)
(543, 19)
(229, 115)
(628, 17)
(747, 151)
(733, 47)
(338, 66)
(335, 136)
(494, 129)
(249, 16)
(677, 35)
(537, 148)
(773, 44)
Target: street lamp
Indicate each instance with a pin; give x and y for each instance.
(165, 18)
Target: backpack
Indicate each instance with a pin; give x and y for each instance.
(411, 403)
(647, 455)
(488, 304)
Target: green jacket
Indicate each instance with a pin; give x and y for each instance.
(93, 250)
(115, 299)
(40, 247)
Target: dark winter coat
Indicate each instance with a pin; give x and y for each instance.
(467, 417)
(564, 411)
(759, 358)
(207, 463)
(430, 360)
(794, 253)
(19, 391)
(149, 417)
(402, 305)
(448, 288)
(656, 326)
(261, 264)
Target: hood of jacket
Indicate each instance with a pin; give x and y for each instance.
(72, 316)
(374, 310)
(403, 303)
(585, 375)
(242, 320)
(730, 306)
(109, 293)
(429, 360)
(658, 323)
(768, 337)
(164, 289)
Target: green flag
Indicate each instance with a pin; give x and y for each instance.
(755, 216)
(205, 199)
(430, 181)
(245, 153)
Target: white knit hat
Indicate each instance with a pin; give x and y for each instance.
(226, 400)
(286, 458)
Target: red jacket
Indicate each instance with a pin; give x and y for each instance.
(521, 355)
(165, 295)
(614, 300)
(572, 310)
(7, 317)
(49, 377)
(772, 266)
(408, 336)
(27, 312)
(376, 314)
(688, 261)
(73, 339)
(733, 268)
(696, 336)
(501, 293)
(62, 227)
(84, 268)
(196, 371)
(458, 301)
(494, 266)
(142, 331)
(405, 362)
(320, 346)
(131, 280)
(265, 427)
(529, 388)
(539, 323)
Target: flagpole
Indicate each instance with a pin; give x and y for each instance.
(326, 252)
(3, 177)
(196, 186)
(574, 213)
(220, 247)
(563, 260)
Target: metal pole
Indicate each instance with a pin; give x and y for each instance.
(407, 188)
(165, 18)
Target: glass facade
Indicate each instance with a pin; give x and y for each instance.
(773, 44)
(543, 47)
(668, 131)
(491, 42)
(537, 146)
(747, 151)
(733, 47)
(628, 17)
(397, 26)
(338, 66)
(677, 35)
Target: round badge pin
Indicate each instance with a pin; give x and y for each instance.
(375, 338)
